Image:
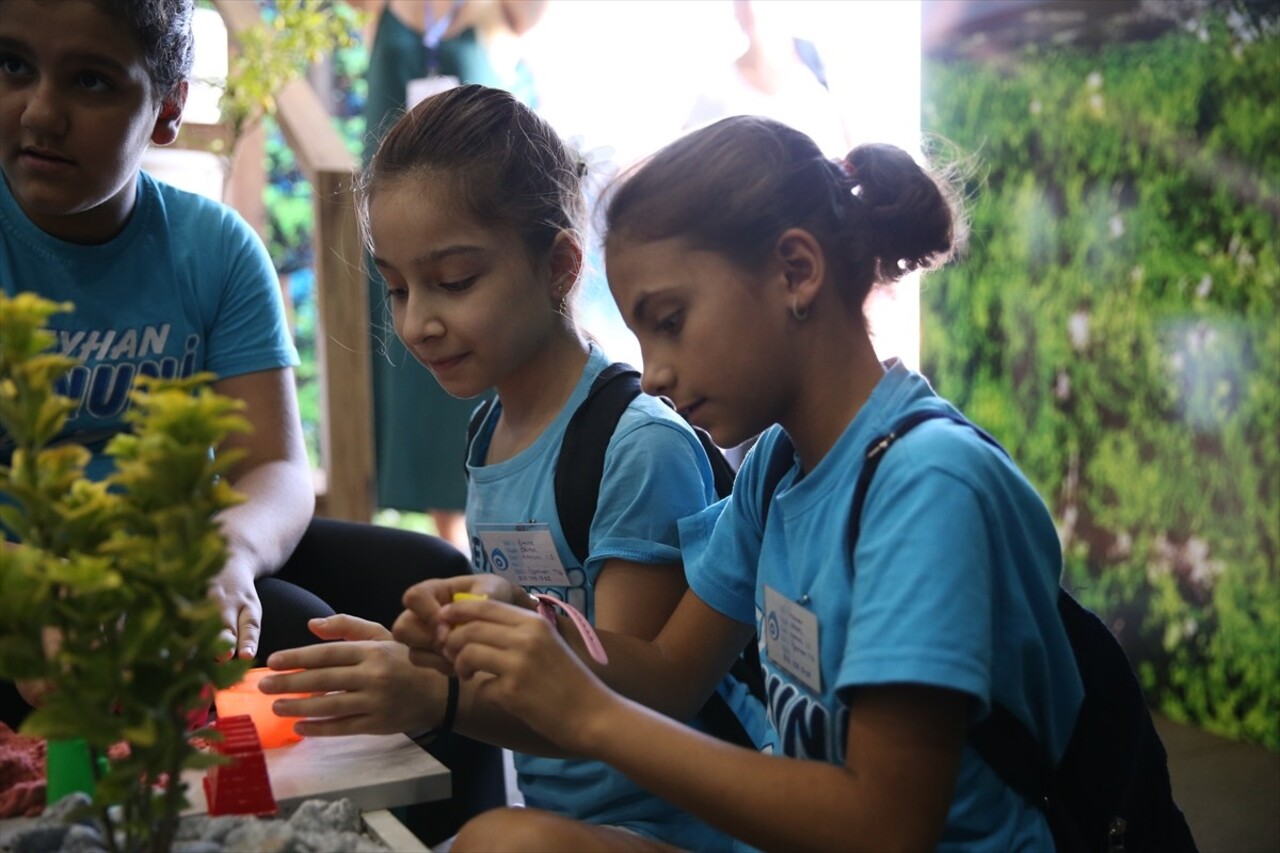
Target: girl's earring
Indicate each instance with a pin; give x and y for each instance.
(800, 314)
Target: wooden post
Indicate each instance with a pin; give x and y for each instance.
(342, 312)
(342, 334)
(342, 344)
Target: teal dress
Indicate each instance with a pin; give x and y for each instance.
(419, 430)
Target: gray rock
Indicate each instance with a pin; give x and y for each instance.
(84, 839)
(323, 816)
(316, 826)
(196, 846)
(205, 828)
(75, 807)
(40, 839)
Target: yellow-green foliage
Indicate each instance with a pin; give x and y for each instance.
(117, 571)
(1116, 326)
(274, 52)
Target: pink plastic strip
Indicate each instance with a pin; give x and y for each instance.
(547, 605)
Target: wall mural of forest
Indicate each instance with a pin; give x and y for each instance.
(1115, 325)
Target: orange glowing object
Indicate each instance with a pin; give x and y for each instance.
(245, 698)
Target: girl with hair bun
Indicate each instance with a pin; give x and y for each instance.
(742, 258)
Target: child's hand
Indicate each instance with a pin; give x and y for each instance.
(237, 599)
(420, 627)
(365, 685)
(33, 692)
(537, 678)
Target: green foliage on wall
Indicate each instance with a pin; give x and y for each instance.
(1115, 325)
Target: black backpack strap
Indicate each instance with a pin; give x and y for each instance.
(781, 458)
(1001, 739)
(579, 470)
(478, 414)
(580, 465)
(877, 448)
(722, 472)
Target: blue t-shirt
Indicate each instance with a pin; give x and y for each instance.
(957, 572)
(655, 473)
(186, 286)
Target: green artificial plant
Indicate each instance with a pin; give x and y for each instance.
(105, 598)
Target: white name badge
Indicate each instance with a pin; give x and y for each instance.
(791, 638)
(424, 87)
(524, 554)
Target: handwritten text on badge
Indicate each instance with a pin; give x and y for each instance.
(523, 553)
(791, 638)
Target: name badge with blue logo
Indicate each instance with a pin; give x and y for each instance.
(524, 554)
(791, 638)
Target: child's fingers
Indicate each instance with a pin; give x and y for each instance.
(345, 627)
(336, 704)
(512, 629)
(310, 658)
(427, 597)
(332, 727)
(414, 632)
(431, 660)
(485, 609)
(250, 626)
(501, 662)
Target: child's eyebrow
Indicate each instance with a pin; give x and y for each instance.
(88, 58)
(436, 255)
(433, 256)
(80, 57)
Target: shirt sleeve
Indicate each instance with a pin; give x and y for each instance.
(922, 587)
(655, 473)
(248, 332)
(722, 544)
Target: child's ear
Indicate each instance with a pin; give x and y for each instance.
(565, 262)
(803, 266)
(170, 117)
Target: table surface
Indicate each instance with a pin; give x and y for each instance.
(374, 771)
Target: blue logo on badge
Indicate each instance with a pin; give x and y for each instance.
(773, 625)
(499, 560)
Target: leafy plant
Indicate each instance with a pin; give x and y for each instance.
(1117, 326)
(105, 596)
(275, 51)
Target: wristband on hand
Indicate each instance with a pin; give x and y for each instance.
(450, 712)
(547, 605)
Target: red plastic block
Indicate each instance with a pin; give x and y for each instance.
(241, 787)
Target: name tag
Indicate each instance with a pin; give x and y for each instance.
(524, 554)
(424, 87)
(791, 638)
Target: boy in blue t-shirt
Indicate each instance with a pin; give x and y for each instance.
(163, 282)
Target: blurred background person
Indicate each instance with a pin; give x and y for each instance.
(777, 75)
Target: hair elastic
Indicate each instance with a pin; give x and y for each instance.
(450, 714)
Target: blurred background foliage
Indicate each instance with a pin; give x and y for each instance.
(289, 199)
(1115, 325)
